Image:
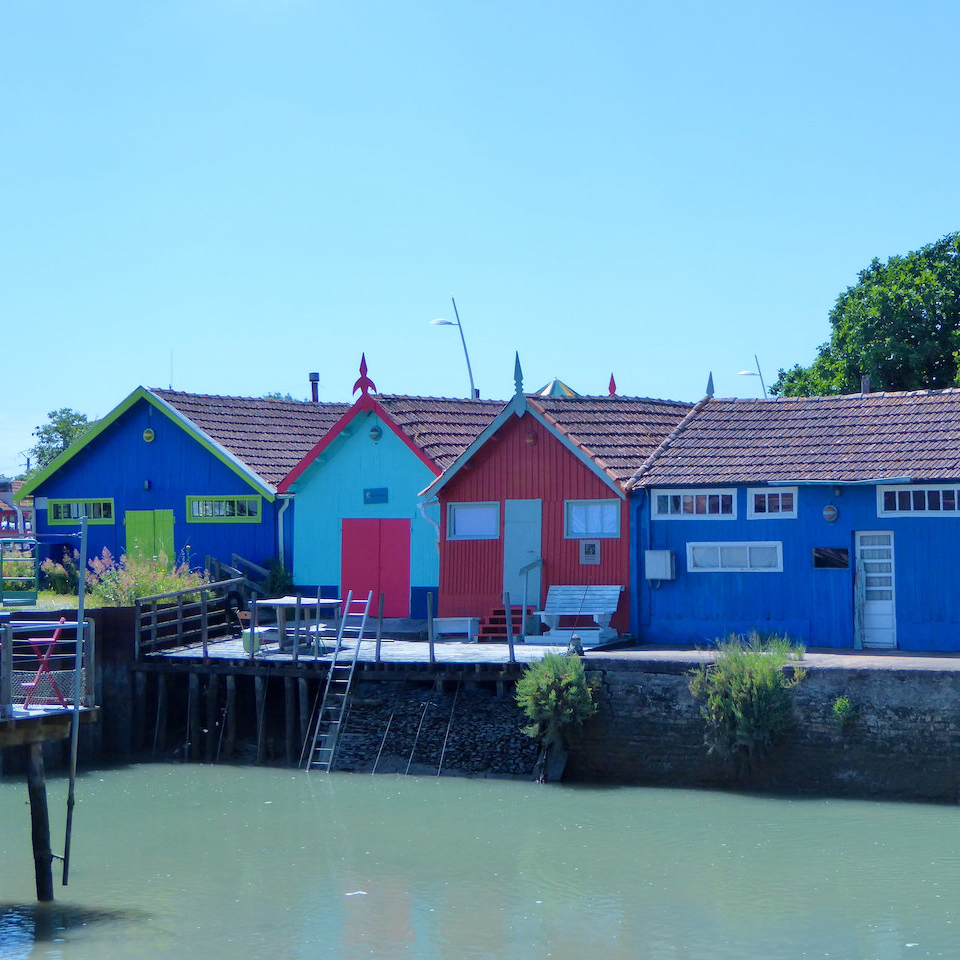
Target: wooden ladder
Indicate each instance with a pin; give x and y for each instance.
(328, 720)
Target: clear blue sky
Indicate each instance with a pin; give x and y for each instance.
(224, 195)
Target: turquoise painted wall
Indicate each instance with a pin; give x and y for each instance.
(332, 488)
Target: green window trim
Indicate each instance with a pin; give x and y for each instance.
(67, 513)
(236, 509)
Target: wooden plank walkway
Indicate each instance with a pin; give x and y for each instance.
(391, 651)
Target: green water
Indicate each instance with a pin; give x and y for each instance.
(216, 862)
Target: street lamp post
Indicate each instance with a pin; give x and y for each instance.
(750, 373)
(439, 322)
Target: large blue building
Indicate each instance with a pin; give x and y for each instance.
(830, 519)
(183, 475)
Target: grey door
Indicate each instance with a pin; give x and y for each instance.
(521, 546)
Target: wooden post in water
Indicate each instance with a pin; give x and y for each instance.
(509, 612)
(230, 740)
(304, 691)
(193, 717)
(213, 718)
(40, 821)
(260, 683)
(160, 734)
(433, 656)
(139, 711)
(290, 719)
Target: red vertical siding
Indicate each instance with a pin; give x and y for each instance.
(524, 461)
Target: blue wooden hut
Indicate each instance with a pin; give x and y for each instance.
(359, 525)
(830, 519)
(181, 474)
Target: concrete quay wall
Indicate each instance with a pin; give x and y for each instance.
(902, 742)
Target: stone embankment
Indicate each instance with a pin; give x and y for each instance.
(903, 740)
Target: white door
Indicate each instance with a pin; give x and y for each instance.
(521, 546)
(876, 590)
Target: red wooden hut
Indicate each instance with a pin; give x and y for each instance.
(539, 500)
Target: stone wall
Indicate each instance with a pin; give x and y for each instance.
(903, 741)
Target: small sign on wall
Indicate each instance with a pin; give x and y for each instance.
(590, 552)
(375, 495)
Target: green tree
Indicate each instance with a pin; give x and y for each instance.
(899, 325)
(62, 428)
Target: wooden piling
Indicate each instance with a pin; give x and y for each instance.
(230, 737)
(193, 717)
(160, 732)
(40, 822)
(260, 683)
(304, 690)
(139, 711)
(291, 750)
(213, 718)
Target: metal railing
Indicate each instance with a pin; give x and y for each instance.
(19, 569)
(45, 666)
(186, 618)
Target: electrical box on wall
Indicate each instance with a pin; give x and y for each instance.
(659, 565)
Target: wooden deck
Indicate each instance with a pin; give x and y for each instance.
(391, 652)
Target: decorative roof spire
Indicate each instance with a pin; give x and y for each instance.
(612, 386)
(710, 384)
(518, 377)
(364, 384)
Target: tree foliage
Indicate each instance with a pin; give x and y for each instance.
(899, 325)
(554, 693)
(62, 428)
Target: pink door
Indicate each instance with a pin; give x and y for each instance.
(375, 555)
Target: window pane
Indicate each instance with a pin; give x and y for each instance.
(933, 499)
(735, 556)
(889, 500)
(949, 501)
(713, 503)
(919, 499)
(786, 502)
(688, 503)
(675, 504)
(763, 557)
(662, 503)
(475, 520)
(726, 503)
(759, 503)
(903, 500)
(705, 557)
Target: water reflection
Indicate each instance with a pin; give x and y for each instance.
(216, 862)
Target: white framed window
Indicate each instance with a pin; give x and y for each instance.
(591, 519)
(764, 503)
(695, 504)
(748, 556)
(473, 521)
(910, 500)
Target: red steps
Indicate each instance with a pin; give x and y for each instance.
(493, 628)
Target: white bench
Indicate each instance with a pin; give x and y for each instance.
(596, 601)
(456, 626)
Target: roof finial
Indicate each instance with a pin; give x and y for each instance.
(364, 384)
(518, 377)
(710, 384)
(612, 386)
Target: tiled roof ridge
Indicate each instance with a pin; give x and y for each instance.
(606, 398)
(664, 444)
(160, 391)
(820, 398)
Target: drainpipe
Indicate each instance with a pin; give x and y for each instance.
(281, 544)
(422, 507)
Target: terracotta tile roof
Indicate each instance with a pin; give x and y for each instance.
(845, 438)
(442, 427)
(619, 433)
(269, 436)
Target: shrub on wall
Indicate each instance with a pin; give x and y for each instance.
(745, 696)
(554, 694)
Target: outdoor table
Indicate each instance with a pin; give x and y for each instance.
(283, 605)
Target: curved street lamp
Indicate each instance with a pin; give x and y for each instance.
(440, 322)
(750, 373)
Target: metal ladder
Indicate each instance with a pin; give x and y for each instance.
(329, 716)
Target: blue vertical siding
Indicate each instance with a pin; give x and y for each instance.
(814, 606)
(118, 462)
